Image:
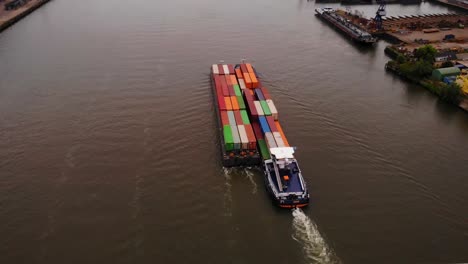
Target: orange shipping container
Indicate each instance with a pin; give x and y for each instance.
(280, 129)
(233, 80)
(235, 104)
(239, 73)
(249, 68)
(228, 103)
(247, 80)
(228, 79)
(252, 92)
(254, 80)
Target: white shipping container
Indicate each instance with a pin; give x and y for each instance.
(259, 108)
(272, 107)
(278, 139)
(270, 140)
(215, 69)
(243, 137)
(225, 69)
(232, 118)
(242, 84)
(235, 137)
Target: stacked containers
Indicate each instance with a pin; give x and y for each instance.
(237, 129)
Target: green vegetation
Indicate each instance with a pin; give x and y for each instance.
(418, 67)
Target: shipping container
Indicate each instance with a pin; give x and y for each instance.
(243, 137)
(259, 94)
(239, 74)
(224, 118)
(266, 93)
(251, 136)
(252, 109)
(278, 139)
(231, 118)
(238, 117)
(236, 137)
(257, 130)
(259, 108)
(225, 69)
(245, 117)
(270, 140)
(228, 79)
(254, 80)
(227, 100)
(248, 82)
(224, 85)
(244, 69)
(215, 69)
(237, 90)
(233, 79)
(266, 109)
(264, 124)
(221, 102)
(220, 69)
(280, 130)
(242, 84)
(263, 149)
(228, 139)
(231, 69)
(232, 92)
(235, 104)
(271, 123)
(249, 68)
(241, 102)
(272, 108)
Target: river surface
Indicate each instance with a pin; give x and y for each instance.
(109, 148)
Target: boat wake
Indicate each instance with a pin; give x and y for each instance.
(314, 246)
(227, 193)
(249, 174)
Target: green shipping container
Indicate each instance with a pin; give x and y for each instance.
(237, 90)
(263, 149)
(266, 109)
(228, 140)
(241, 102)
(245, 117)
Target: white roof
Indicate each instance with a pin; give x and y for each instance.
(283, 153)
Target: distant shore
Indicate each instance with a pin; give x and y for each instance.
(10, 17)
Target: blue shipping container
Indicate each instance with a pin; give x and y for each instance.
(259, 94)
(264, 124)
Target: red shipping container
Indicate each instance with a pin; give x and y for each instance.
(251, 136)
(228, 79)
(224, 118)
(249, 97)
(238, 117)
(239, 74)
(220, 68)
(221, 102)
(224, 86)
(266, 94)
(231, 68)
(257, 130)
(244, 68)
(253, 110)
(231, 90)
(271, 123)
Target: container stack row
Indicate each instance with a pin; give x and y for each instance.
(238, 132)
(262, 110)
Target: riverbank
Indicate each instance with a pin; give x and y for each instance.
(418, 67)
(10, 17)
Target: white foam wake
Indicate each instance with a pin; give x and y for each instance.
(306, 233)
(249, 174)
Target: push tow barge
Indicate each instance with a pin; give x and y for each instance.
(251, 134)
(344, 25)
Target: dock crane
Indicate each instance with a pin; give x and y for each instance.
(380, 14)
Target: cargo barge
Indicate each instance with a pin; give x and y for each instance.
(251, 135)
(345, 26)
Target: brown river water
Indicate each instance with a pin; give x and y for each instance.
(109, 149)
